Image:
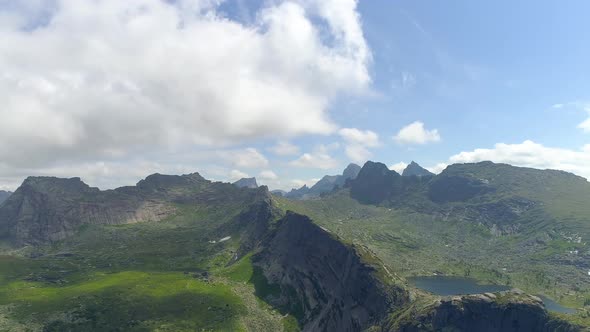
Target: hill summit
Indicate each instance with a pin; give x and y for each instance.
(414, 169)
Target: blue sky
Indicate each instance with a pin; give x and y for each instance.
(126, 89)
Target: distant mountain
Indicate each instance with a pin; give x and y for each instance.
(4, 195)
(246, 183)
(278, 192)
(47, 209)
(326, 184)
(414, 169)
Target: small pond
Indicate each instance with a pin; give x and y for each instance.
(445, 286)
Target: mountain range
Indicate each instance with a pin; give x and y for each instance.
(185, 253)
(325, 184)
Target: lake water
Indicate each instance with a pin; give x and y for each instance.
(445, 286)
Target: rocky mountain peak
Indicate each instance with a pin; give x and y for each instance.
(336, 290)
(351, 171)
(246, 183)
(413, 169)
(374, 183)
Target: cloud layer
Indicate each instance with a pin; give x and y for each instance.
(88, 81)
(531, 154)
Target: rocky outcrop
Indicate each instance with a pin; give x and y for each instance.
(246, 183)
(321, 281)
(45, 209)
(351, 172)
(375, 183)
(510, 311)
(413, 169)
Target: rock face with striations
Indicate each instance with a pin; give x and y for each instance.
(323, 282)
(46, 209)
(413, 169)
(246, 183)
(4, 195)
(510, 311)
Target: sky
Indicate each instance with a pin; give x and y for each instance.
(288, 91)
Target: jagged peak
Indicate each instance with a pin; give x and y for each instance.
(414, 169)
(351, 171)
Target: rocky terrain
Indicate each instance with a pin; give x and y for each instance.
(246, 183)
(324, 282)
(510, 311)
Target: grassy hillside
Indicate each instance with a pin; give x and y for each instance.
(165, 276)
(536, 259)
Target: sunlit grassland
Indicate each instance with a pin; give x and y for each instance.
(164, 276)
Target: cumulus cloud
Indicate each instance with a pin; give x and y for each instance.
(399, 167)
(357, 143)
(531, 154)
(268, 175)
(85, 81)
(355, 136)
(284, 148)
(319, 158)
(415, 133)
(246, 158)
(235, 174)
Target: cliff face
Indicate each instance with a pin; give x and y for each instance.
(510, 311)
(48, 209)
(323, 282)
(246, 183)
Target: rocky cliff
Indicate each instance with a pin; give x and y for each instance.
(510, 311)
(246, 183)
(45, 209)
(322, 281)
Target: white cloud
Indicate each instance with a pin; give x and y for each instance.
(366, 138)
(399, 167)
(268, 175)
(358, 142)
(237, 174)
(436, 169)
(531, 154)
(246, 158)
(415, 133)
(118, 78)
(357, 153)
(319, 158)
(284, 148)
